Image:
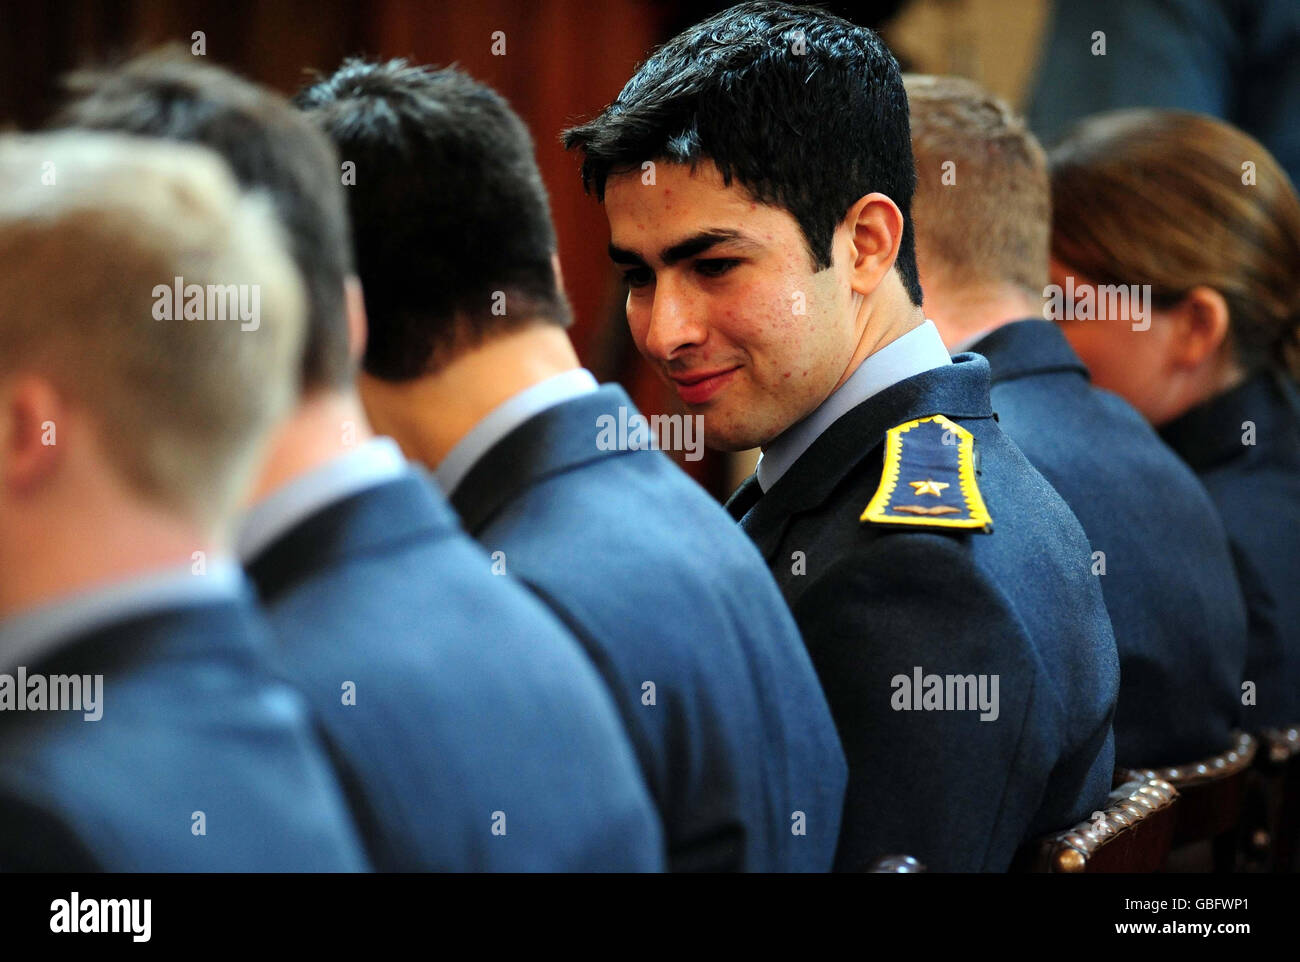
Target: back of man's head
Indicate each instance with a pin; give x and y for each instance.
(803, 109)
(98, 235)
(269, 146)
(451, 223)
(983, 203)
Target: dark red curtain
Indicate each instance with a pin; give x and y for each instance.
(564, 59)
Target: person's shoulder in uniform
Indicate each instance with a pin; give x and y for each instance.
(1159, 549)
(686, 625)
(1245, 446)
(199, 760)
(947, 602)
(471, 730)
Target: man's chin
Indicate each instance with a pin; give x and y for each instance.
(728, 448)
(731, 438)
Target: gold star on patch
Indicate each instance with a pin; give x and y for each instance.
(929, 486)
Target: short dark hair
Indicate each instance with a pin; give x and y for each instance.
(448, 211)
(804, 110)
(268, 145)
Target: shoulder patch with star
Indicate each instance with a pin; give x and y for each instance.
(929, 478)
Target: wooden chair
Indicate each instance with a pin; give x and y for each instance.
(1274, 803)
(1211, 796)
(895, 864)
(1133, 834)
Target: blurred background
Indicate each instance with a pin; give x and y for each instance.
(565, 59)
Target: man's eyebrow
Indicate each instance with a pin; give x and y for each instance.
(620, 256)
(700, 243)
(691, 246)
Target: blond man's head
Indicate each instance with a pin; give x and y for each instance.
(983, 203)
(179, 394)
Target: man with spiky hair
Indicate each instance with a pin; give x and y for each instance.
(470, 730)
(757, 175)
(469, 366)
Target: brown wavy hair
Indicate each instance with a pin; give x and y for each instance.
(1178, 200)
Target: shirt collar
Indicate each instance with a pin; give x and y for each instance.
(373, 463)
(920, 349)
(29, 634)
(507, 416)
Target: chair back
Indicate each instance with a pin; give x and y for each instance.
(1132, 834)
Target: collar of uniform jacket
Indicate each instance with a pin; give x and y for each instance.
(1212, 433)
(374, 462)
(28, 636)
(959, 391)
(503, 419)
(390, 512)
(1026, 348)
(219, 620)
(560, 438)
(920, 349)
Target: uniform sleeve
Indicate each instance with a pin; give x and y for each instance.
(930, 775)
(1266, 648)
(33, 839)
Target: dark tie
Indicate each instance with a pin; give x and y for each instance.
(744, 497)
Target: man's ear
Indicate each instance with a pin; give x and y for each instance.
(1200, 327)
(875, 232)
(354, 303)
(32, 426)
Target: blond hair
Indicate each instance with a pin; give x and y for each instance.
(1179, 200)
(92, 227)
(982, 208)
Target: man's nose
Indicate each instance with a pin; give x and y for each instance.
(676, 322)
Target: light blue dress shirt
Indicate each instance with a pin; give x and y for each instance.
(920, 349)
(373, 463)
(507, 416)
(30, 634)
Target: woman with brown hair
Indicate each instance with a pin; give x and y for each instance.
(1176, 260)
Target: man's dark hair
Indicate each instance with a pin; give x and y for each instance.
(448, 211)
(804, 110)
(269, 146)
